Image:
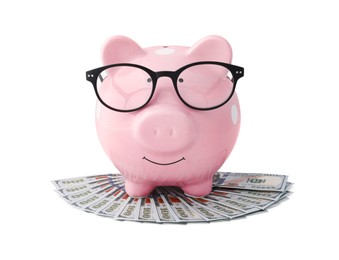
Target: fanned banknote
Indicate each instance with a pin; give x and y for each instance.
(250, 181)
(233, 195)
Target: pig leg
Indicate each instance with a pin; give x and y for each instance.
(199, 189)
(138, 190)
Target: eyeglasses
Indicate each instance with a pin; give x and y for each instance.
(127, 87)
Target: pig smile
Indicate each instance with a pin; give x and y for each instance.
(144, 158)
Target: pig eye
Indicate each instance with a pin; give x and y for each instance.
(181, 80)
(149, 80)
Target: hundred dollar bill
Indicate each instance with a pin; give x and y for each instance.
(74, 197)
(250, 181)
(260, 203)
(233, 204)
(59, 184)
(78, 188)
(271, 195)
(88, 201)
(115, 207)
(180, 209)
(148, 211)
(163, 210)
(284, 195)
(131, 210)
(221, 209)
(206, 213)
(103, 202)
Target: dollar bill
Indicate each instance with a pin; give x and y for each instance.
(206, 213)
(63, 183)
(260, 203)
(180, 208)
(271, 195)
(226, 211)
(233, 204)
(165, 214)
(131, 210)
(78, 188)
(88, 201)
(250, 181)
(109, 197)
(77, 196)
(116, 206)
(289, 185)
(148, 211)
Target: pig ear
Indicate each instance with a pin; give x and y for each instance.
(118, 49)
(211, 48)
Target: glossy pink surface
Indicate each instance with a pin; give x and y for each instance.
(166, 142)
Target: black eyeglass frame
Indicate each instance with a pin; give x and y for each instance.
(93, 75)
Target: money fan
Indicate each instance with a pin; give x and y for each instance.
(233, 195)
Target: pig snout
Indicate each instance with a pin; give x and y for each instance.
(164, 129)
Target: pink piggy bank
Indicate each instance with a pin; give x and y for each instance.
(167, 115)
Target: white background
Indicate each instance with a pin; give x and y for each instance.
(289, 101)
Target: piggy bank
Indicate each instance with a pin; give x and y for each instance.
(167, 115)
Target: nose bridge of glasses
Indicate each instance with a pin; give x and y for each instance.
(169, 74)
(165, 88)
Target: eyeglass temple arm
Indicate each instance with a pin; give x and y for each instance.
(101, 78)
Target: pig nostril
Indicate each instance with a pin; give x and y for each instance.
(155, 131)
(172, 131)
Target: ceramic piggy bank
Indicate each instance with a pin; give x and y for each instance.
(167, 115)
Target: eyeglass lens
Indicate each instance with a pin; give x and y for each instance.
(205, 85)
(125, 87)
